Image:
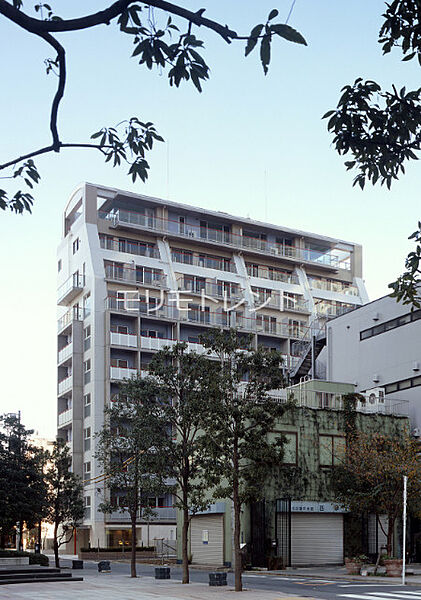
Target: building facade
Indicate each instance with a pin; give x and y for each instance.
(137, 273)
(378, 349)
(298, 523)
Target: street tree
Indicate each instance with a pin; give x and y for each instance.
(184, 382)
(132, 451)
(64, 496)
(158, 42)
(23, 493)
(369, 478)
(407, 287)
(381, 129)
(239, 420)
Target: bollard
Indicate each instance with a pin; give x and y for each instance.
(162, 573)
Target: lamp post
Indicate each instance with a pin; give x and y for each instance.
(405, 481)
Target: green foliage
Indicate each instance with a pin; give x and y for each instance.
(381, 130)
(400, 28)
(23, 492)
(171, 48)
(406, 288)
(271, 29)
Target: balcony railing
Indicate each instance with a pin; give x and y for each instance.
(74, 314)
(207, 262)
(211, 288)
(334, 401)
(123, 339)
(65, 417)
(65, 384)
(70, 289)
(140, 275)
(280, 302)
(340, 287)
(129, 247)
(334, 258)
(65, 352)
(166, 513)
(132, 305)
(122, 372)
(332, 311)
(272, 274)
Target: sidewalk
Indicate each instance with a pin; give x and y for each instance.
(109, 586)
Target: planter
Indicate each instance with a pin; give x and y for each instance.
(162, 573)
(352, 567)
(217, 579)
(77, 564)
(393, 567)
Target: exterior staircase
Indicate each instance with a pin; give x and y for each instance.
(33, 574)
(308, 350)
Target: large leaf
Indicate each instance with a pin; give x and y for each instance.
(288, 33)
(252, 40)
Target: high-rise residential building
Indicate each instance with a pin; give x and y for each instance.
(138, 273)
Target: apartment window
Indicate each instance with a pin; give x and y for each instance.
(87, 467)
(181, 225)
(119, 362)
(87, 405)
(75, 245)
(87, 338)
(389, 325)
(182, 256)
(86, 305)
(87, 371)
(404, 384)
(120, 329)
(331, 450)
(87, 438)
(87, 501)
(59, 265)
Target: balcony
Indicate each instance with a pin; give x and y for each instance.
(65, 353)
(279, 301)
(65, 385)
(137, 276)
(129, 247)
(64, 417)
(150, 343)
(339, 287)
(123, 339)
(133, 304)
(166, 513)
(120, 373)
(333, 258)
(222, 290)
(261, 272)
(70, 289)
(206, 262)
(74, 314)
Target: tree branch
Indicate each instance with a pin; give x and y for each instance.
(50, 148)
(105, 16)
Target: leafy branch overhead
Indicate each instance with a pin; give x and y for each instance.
(174, 48)
(379, 129)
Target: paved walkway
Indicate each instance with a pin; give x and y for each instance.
(112, 586)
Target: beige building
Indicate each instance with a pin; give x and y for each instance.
(138, 273)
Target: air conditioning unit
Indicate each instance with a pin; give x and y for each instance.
(375, 400)
(416, 432)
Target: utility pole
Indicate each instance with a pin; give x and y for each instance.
(405, 481)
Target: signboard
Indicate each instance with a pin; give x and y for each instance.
(298, 506)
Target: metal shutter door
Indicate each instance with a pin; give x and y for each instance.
(211, 553)
(316, 539)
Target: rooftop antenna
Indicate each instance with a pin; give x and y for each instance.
(168, 169)
(266, 194)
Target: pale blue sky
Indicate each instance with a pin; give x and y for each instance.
(221, 143)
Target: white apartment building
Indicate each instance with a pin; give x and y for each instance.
(378, 349)
(138, 273)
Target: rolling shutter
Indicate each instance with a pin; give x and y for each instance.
(212, 552)
(316, 539)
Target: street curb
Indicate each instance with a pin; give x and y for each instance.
(370, 578)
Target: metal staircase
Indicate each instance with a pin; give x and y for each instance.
(308, 349)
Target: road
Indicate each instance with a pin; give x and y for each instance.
(297, 586)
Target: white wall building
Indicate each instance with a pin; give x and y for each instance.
(184, 270)
(378, 347)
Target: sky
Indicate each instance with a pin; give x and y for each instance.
(249, 145)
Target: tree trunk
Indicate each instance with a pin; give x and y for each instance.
(390, 530)
(184, 543)
(134, 544)
(237, 509)
(55, 546)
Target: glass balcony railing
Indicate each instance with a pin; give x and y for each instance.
(70, 288)
(139, 275)
(333, 257)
